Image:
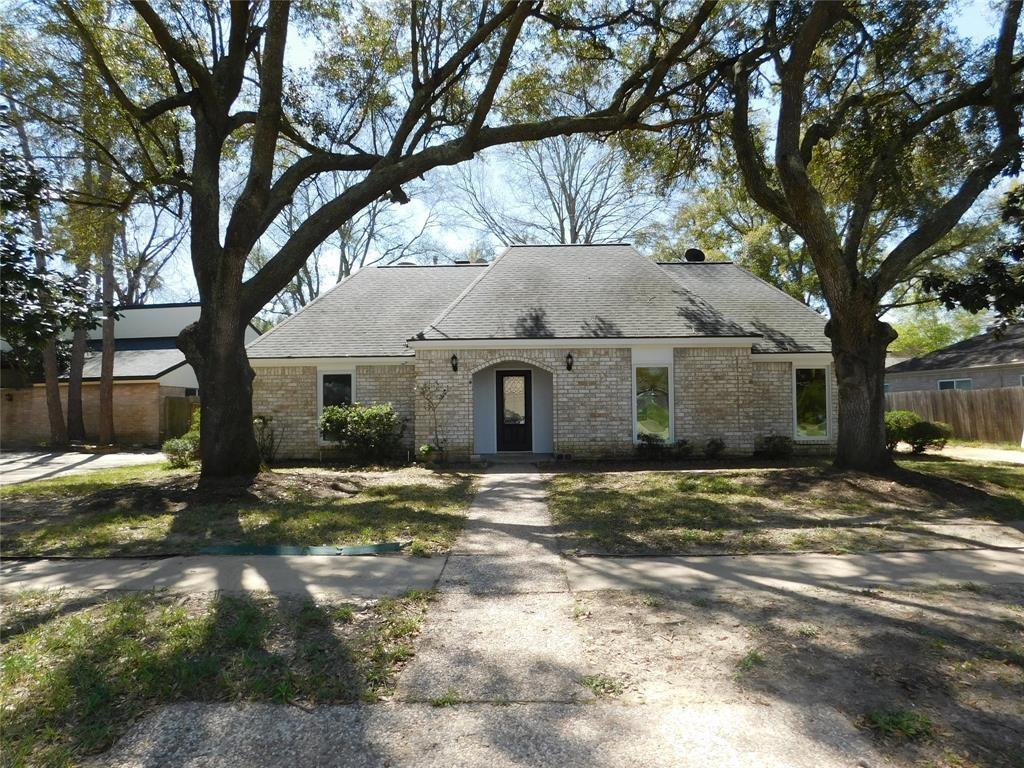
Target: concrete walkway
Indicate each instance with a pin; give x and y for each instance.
(22, 466)
(502, 640)
(798, 572)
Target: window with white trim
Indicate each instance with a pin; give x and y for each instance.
(653, 405)
(955, 384)
(810, 407)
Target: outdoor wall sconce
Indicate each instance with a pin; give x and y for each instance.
(568, 361)
(455, 362)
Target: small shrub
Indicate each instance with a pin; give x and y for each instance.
(682, 449)
(267, 439)
(928, 434)
(179, 451)
(419, 548)
(775, 446)
(897, 426)
(713, 448)
(429, 453)
(650, 446)
(904, 723)
(365, 433)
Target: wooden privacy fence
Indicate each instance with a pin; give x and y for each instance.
(992, 415)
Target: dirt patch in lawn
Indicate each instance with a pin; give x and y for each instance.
(171, 513)
(935, 675)
(928, 504)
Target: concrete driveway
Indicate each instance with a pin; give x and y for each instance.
(970, 453)
(22, 466)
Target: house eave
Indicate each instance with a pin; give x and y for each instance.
(586, 341)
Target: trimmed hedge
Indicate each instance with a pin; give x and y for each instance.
(364, 433)
(897, 426)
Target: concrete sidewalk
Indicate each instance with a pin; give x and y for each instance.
(22, 466)
(341, 577)
(797, 571)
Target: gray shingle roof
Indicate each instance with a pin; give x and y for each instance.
(135, 363)
(370, 314)
(578, 291)
(538, 292)
(983, 349)
(784, 323)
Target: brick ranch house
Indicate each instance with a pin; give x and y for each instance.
(565, 350)
(153, 385)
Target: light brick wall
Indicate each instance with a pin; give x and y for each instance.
(137, 406)
(713, 397)
(392, 384)
(288, 395)
(592, 402)
(772, 393)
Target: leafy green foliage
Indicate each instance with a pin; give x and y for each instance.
(928, 434)
(774, 446)
(925, 329)
(37, 303)
(995, 280)
(365, 433)
(179, 451)
(713, 448)
(897, 426)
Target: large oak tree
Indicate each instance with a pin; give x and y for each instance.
(394, 90)
(881, 107)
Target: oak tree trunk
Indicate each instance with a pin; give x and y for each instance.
(859, 341)
(76, 420)
(215, 348)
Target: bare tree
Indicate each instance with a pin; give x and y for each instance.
(567, 189)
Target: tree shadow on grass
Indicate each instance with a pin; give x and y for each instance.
(79, 676)
(181, 520)
(667, 513)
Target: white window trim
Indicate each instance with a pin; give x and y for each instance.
(671, 397)
(938, 384)
(797, 437)
(346, 369)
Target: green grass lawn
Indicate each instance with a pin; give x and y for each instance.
(153, 510)
(935, 503)
(77, 670)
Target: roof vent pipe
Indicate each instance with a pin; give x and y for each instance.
(694, 254)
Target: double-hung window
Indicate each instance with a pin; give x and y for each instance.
(810, 392)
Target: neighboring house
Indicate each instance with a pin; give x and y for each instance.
(150, 375)
(985, 361)
(565, 350)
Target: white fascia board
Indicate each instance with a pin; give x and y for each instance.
(565, 343)
(802, 358)
(961, 370)
(322, 362)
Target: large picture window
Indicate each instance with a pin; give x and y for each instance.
(811, 393)
(653, 407)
